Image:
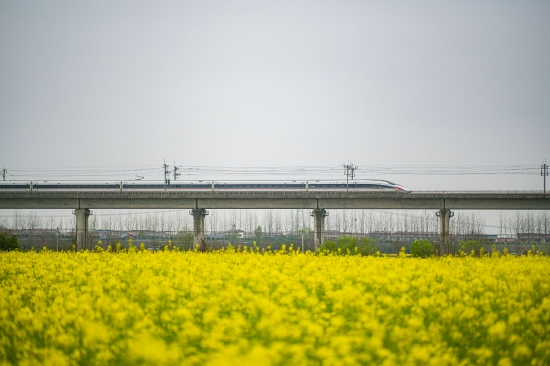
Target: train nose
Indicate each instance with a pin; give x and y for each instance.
(403, 189)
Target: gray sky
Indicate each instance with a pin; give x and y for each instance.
(278, 83)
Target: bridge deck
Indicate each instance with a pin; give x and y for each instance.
(468, 200)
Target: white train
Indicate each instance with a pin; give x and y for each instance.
(203, 185)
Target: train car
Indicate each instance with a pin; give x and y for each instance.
(316, 185)
(159, 186)
(203, 185)
(13, 186)
(44, 185)
(200, 185)
(261, 186)
(362, 185)
(71, 186)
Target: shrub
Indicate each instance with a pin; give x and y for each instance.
(367, 246)
(472, 245)
(422, 248)
(347, 244)
(341, 246)
(329, 245)
(8, 242)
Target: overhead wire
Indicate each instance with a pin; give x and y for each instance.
(191, 171)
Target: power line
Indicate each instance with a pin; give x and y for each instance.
(367, 169)
(190, 171)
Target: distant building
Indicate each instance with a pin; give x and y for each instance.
(533, 237)
(506, 240)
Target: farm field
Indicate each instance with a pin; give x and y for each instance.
(191, 308)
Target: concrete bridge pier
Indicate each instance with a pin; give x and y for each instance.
(444, 224)
(198, 224)
(82, 215)
(319, 215)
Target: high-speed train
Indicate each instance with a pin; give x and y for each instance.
(203, 185)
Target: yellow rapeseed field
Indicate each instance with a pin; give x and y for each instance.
(236, 308)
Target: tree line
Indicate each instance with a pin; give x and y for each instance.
(287, 221)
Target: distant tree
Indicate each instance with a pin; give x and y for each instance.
(8, 242)
(396, 246)
(268, 219)
(422, 248)
(329, 245)
(18, 220)
(233, 238)
(468, 246)
(348, 244)
(184, 240)
(156, 245)
(258, 236)
(367, 246)
(307, 234)
(267, 243)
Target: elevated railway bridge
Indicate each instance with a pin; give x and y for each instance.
(319, 202)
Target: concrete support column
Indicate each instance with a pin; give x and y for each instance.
(82, 215)
(319, 215)
(444, 224)
(198, 224)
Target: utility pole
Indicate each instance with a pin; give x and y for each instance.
(350, 170)
(4, 172)
(166, 174)
(544, 173)
(176, 174)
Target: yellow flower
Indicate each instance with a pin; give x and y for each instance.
(186, 307)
